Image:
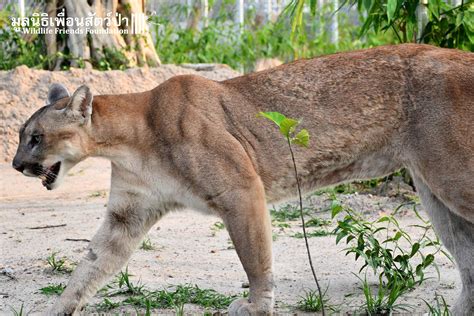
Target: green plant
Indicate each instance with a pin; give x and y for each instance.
(312, 302)
(220, 43)
(450, 26)
(58, 264)
(126, 286)
(281, 225)
(147, 244)
(378, 243)
(137, 295)
(112, 59)
(383, 302)
(447, 25)
(179, 309)
(53, 289)
(107, 304)
(440, 307)
(287, 127)
(317, 222)
(148, 308)
(219, 225)
(26, 47)
(19, 49)
(172, 297)
(20, 312)
(344, 188)
(203, 297)
(288, 212)
(314, 233)
(311, 222)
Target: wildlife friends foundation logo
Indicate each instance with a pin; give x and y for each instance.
(42, 23)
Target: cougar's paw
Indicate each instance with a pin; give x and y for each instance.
(60, 309)
(58, 312)
(243, 307)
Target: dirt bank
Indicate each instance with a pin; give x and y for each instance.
(24, 90)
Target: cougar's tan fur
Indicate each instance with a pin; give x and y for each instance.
(197, 143)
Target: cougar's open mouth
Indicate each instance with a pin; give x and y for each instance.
(49, 175)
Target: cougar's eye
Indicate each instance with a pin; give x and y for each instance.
(35, 140)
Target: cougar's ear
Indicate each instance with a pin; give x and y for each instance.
(56, 92)
(81, 102)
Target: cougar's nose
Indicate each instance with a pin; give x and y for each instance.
(18, 165)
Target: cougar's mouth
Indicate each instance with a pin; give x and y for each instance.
(49, 175)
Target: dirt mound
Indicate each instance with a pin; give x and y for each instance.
(24, 90)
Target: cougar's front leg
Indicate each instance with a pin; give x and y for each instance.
(248, 222)
(126, 222)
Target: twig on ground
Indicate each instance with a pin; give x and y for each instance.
(77, 239)
(47, 226)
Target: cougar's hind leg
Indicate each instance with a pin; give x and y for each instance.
(457, 235)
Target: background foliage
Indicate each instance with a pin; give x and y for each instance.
(301, 31)
(447, 25)
(221, 41)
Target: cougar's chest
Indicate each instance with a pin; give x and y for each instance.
(154, 185)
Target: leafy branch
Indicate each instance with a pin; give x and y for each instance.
(288, 130)
(446, 25)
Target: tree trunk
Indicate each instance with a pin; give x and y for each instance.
(205, 12)
(141, 44)
(50, 38)
(334, 24)
(422, 20)
(195, 16)
(130, 44)
(264, 13)
(240, 13)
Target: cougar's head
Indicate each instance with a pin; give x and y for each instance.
(55, 137)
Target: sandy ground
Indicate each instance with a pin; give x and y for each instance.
(187, 249)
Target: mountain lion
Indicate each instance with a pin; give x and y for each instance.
(196, 143)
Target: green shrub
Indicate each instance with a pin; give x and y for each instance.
(221, 41)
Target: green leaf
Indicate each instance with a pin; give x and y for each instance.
(468, 20)
(302, 138)
(336, 208)
(383, 219)
(470, 35)
(419, 269)
(459, 19)
(397, 236)
(312, 6)
(391, 8)
(287, 126)
(368, 5)
(275, 117)
(414, 249)
(340, 235)
(428, 260)
(433, 6)
(297, 18)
